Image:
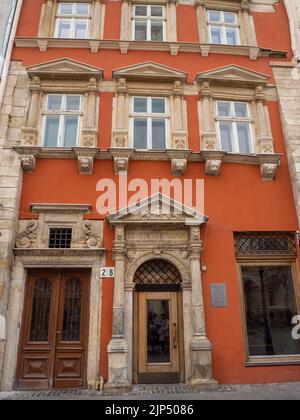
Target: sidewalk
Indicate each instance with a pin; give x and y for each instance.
(289, 391)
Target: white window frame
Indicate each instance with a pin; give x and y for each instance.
(223, 26)
(72, 19)
(61, 114)
(234, 121)
(149, 116)
(149, 19)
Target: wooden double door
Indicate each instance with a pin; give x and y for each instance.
(55, 330)
(159, 339)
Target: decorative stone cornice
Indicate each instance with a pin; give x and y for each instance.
(61, 208)
(59, 252)
(125, 46)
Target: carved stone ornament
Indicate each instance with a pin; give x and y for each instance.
(213, 166)
(29, 136)
(121, 164)
(28, 163)
(27, 238)
(268, 171)
(89, 138)
(85, 165)
(90, 239)
(179, 167)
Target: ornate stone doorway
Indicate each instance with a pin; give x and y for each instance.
(158, 327)
(163, 229)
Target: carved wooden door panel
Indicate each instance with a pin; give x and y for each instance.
(54, 332)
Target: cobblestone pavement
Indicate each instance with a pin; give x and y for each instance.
(169, 392)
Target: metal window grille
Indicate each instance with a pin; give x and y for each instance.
(157, 272)
(60, 238)
(259, 244)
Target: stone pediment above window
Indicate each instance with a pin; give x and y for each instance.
(233, 75)
(150, 71)
(157, 209)
(64, 68)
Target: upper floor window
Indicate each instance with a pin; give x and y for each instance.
(149, 23)
(234, 127)
(73, 20)
(149, 123)
(62, 120)
(223, 27)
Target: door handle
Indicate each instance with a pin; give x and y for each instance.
(175, 335)
(58, 332)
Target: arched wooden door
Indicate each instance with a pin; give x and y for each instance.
(55, 330)
(158, 326)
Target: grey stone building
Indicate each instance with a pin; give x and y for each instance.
(10, 175)
(287, 78)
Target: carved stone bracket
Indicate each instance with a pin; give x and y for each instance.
(179, 159)
(213, 162)
(28, 163)
(85, 160)
(269, 165)
(121, 159)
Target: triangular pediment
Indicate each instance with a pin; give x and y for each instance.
(233, 74)
(158, 209)
(150, 71)
(64, 68)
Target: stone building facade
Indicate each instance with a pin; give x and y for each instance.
(288, 84)
(167, 103)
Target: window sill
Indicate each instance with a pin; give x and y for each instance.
(253, 52)
(276, 361)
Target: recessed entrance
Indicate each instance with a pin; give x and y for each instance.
(55, 330)
(158, 324)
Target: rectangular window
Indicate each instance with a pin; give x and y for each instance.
(149, 123)
(60, 238)
(149, 23)
(73, 20)
(62, 120)
(223, 27)
(270, 305)
(234, 127)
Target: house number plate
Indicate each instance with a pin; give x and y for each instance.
(107, 272)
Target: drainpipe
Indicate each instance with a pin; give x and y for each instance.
(9, 49)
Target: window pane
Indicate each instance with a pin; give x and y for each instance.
(224, 109)
(80, 29)
(157, 11)
(73, 103)
(226, 136)
(216, 37)
(140, 10)
(70, 131)
(270, 305)
(229, 17)
(244, 138)
(241, 110)
(140, 31)
(82, 9)
(66, 8)
(214, 16)
(158, 106)
(54, 102)
(157, 31)
(158, 134)
(140, 134)
(64, 29)
(140, 105)
(231, 37)
(51, 131)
